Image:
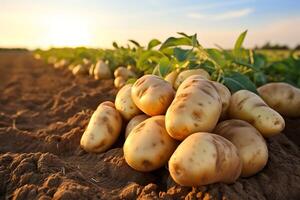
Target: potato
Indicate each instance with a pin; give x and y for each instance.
(124, 103)
(187, 73)
(79, 70)
(152, 95)
(103, 129)
(171, 77)
(61, 64)
(148, 146)
(251, 145)
(196, 108)
(247, 106)
(134, 122)
(225, 95)
(119, 82)
(124, 72)
(102, 70)
(91, 69)
(282, 97)
(205, 158)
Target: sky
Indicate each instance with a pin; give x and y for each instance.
(97, 23)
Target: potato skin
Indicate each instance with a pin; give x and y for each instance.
(102, 71)
(103, 129)
(148, 146)
(282, 97)
(225, 95)
(134, 122)
(171, 77)
(187, 73)
(119, 82)
(205, 158)
(196, 108)
(247, 106)
(124, 72)
(124, 103)
(251, 145)
(152, 95)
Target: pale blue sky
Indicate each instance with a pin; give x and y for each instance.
(36, 23)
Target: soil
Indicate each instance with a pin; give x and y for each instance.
(43, 113)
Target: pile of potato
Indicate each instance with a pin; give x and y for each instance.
(122, 74)
(203, 132)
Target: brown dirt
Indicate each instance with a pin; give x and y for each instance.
(43, 113)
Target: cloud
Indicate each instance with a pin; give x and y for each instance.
(222, 16)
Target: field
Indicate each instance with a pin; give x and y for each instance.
(43, 113)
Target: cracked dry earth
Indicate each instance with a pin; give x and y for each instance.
(43, 113)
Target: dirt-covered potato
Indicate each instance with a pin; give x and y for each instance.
(171, 77)
(196, 107)
(119, 82)
(225, 95)
(187, 73)
(124, 103)
(205, 158)
(152, 94)
(134, 122)
(248, 106)
(251, 145)
(124, 72)
(102, 71)
(148, 146)
(282, 97)
(79, 70)
(103, 129)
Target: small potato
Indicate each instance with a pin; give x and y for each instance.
(124, 72)
(225, 95)
(171, 77)
(251, 145)
(103, 129)
(119, 82)
(152, 95)
(148, 146)
(79, 70)
(196, 107)
(205, 158)
(61, 64)
(282, 97)
(247, 106)
(124, 103)
(134, 122)
(187, 73)
(102, 71)
(91, 70)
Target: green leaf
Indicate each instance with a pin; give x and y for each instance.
(135, 43)
(115, 45)
(153, 43)
(259, 78)
(260, 61)
(238, 44)
(131, 81)
(236, 81)
(164, 66)
(217, 56)
(172, 41)
(181, 54)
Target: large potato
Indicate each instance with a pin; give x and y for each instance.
(102, 71)
(119, 82)
(196, 108)
(171, 77)
(148, 146)
(103, 129)
(124, 72)
(124, 103)
(251, 145)
(152, 95)
(134, 122)
(187, 73)
(205, 158)
(282, 97)
(225, 95)
(247, 106)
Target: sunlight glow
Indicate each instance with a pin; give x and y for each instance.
(66, 30)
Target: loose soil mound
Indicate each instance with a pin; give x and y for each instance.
(43, 113)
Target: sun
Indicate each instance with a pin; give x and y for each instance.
(67, 31)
